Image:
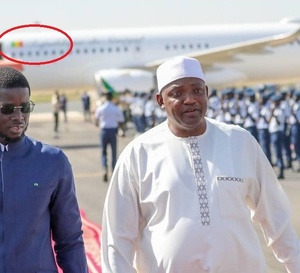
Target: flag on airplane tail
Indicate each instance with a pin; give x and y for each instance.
(16, 44)
(108, 87)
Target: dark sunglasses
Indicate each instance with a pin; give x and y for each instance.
(25, 108)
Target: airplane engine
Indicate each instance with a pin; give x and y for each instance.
(136, 80)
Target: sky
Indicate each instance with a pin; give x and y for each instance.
(95, 14)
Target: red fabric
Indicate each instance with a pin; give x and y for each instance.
(91, 238)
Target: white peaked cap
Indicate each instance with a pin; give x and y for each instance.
(178, 68)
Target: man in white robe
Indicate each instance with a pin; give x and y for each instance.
(183, 195)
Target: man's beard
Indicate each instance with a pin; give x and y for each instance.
(8, 139)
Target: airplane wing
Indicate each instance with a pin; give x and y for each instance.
(228, 53)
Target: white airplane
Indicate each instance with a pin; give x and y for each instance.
(236, 54)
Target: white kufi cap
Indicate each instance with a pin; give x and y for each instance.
(178, 68)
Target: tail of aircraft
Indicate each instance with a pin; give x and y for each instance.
(4, 62)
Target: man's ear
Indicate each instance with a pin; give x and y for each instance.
(160, 100)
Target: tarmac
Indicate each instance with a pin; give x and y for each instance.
(80, 141)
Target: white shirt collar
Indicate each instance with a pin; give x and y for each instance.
(3, 147)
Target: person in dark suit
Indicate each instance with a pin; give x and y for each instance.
(38, 204)
(86, 103)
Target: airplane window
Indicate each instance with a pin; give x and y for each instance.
(61, 52)
(21, 53)
(175, 46)
(37, 53)
(53, 52)
(45, 52)
(109, 49)
(125, 48)
(29, 53)
(137, 48)
(78, 51)
(101, 50)
(118, 49)
(183, 46)
(191, 46)
(206, 46)
(199, 45)
(85, 51)
(94, 50)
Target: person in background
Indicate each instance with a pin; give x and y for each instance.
(276, 129)
(262, 125)
(63, 101)
(109, 118)
(239, 118)
(214, 104)
(252, 113)
(150, 106)
(137, 110)
(37, 201)
(294, 121)
(183, 195)
(286, 136)
(86, 104)
(55, 109)
(124, 100)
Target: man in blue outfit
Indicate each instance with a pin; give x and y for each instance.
(109, 118)
(37, 200)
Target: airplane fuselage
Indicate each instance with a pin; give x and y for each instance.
(96, 50)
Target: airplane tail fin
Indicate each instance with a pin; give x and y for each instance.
(4, 62)
(108, 88)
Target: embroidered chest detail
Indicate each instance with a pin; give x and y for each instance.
(200, 181)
